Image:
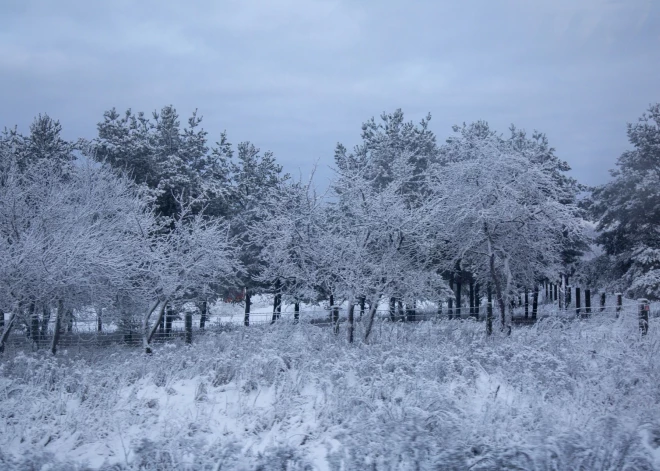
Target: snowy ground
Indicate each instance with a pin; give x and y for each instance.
(433, 395)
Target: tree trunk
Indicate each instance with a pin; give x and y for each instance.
(602, 301)
(535, 302)
(203, 309)
(169, 316)
(477, 300)
(189, 323)
(161, 326)
(526, 304)
(362, 301)
(45, 320)
(58, 326)
(296, 313)
(400, 314)
(6, 331)
(2, 320)
(277, 307)
(248, 303)
(450, 301)
(371, 316)
(393, 309)
(351, 308)
(458, 298)
(147, 333)
(578, 301)
(471, 295)
(489, 310)
(34, 323)
(335, 315)
(99, 319)
(498, 291)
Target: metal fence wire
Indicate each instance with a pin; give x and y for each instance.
(84, 331)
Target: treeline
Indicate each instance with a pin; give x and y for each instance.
(150, 215)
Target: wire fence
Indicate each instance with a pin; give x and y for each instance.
(88, 332)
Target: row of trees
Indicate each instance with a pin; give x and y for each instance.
(148, 216)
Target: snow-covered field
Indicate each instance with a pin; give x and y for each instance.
(433, 395)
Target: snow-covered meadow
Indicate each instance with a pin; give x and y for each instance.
(431, 395)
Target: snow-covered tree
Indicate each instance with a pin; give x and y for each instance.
(173, 161)
(380, 239)
(500, 211)
(189, 258)
(627, 211)
(256, 181)
(70, 242)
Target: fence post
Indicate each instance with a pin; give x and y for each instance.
(526, 304)
(643, 315)
(535, 302)
(567, 297)
(489, 310)
(477, 300)
(246, 311)
(578, 301)
(450, 301)
(619, 304)
(471, 295)
(458, 297)
(602, 301)
(587, 301)
(556, 296)
(189, 325)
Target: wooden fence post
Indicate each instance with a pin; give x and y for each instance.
(578, 301)
(471, 295)
(450, 301)
(602, 301)
(489, 310)
(643, 315)
(619, 304)
(526, 305)
(477, 301)
(535, 302)
(188, 325)
(587, 301)
(248, 303)
(458, 297)
(556, 294)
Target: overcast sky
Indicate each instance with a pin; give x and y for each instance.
(297, 76)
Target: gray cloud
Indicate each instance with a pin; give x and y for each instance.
(296, 76)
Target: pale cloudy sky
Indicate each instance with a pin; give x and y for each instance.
(297, 76)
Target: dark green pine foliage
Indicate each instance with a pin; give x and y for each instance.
(44, 144)
(382, 141)
(627, 211)
(256, 178)
(173, 161)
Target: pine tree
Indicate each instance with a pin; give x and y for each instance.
(627, 210)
